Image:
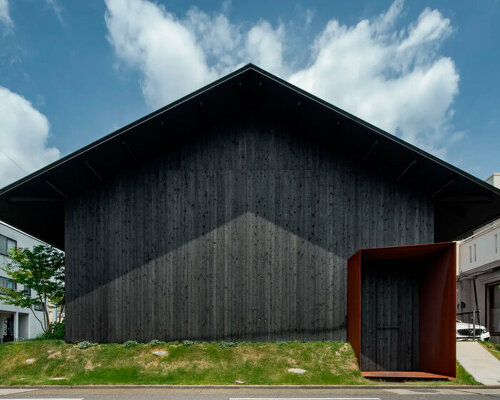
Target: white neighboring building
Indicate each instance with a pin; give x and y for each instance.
(16, 322)
(479, 273)
(494, 180)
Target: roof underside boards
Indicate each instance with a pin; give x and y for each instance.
(35, 204)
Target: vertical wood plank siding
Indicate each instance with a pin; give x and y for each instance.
(239, 234)
(390, 316)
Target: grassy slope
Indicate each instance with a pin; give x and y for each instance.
(464, 378)
(492, 348)
(200, 363)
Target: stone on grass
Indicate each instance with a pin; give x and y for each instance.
(57, 379)
(160, 353)
(30, 361)
(297, 370)
(50, 351)
(239, 382)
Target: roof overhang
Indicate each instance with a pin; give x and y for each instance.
(35, 204)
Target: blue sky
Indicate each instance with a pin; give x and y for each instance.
(73, 71)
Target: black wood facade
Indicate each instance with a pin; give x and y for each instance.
(238, 233)
(390, 300)
(231, 213)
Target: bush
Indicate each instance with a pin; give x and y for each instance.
(187, 342)
(155, 342)
(85, 344)
(228, 344)
(56, 332)
(130, 343)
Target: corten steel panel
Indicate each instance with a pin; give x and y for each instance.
(437, 305)
(437, 313)
(402, 375)
(354, 303)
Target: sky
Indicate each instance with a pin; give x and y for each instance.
(74, 71)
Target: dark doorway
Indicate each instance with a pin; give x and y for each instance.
(9, 336)
(390, 316)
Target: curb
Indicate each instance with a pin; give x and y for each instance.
(268, 387)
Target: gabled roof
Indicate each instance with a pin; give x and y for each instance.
(35, 203)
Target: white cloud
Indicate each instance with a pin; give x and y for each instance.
(226, 5)
(23, 138)
(151, 39)
(264, 46)
(177, 56)
(217, 37)
(309, 15)
(56, 8)
(392, 77)
(5, 20)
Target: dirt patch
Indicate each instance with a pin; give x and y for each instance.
(351, 363)
(189, 364)
(291, 362)
(153, 364)
(249, 353)
(55, 354)
(70, 355)
(14, 361)
(89, 365)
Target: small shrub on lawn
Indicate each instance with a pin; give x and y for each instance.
(187, 342)
(224, 344)
(130, 343)
(155, 342)
(85, 344)
(55, 332)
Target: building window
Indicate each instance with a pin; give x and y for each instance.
(27, 291)
(3, 245)
(38, 307)
(496, 242)
(494, 308)
(11, 244)
(475, 253)
(7, 283)
(6, 244)
(470, 254)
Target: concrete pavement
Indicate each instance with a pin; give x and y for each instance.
(479, 362)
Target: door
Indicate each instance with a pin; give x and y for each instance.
(9, 331)
(389, 316)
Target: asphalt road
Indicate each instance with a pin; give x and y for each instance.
(247, 393)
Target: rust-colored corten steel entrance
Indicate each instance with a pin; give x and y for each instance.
(401, 311)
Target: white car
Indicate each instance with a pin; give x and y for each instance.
(465, 331)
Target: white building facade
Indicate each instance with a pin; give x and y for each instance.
(16, 323)
(479, 273)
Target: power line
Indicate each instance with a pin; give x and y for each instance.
(14, 161)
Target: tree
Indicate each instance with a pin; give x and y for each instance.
(40, 269)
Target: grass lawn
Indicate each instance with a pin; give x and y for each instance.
(493, 348)
(57, 363)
